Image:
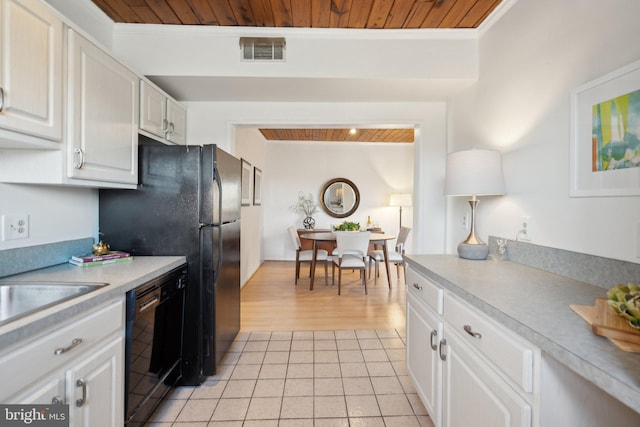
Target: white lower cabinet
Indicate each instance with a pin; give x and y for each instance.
(80, 363)
(473, 394)
(467, 369)
(95, 386)
(424, 331)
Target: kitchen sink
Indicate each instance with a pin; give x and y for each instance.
(18, 299)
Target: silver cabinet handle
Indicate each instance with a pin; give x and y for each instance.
(418, 287)
(443, 356)
(79, 154)
(57, 400)
(165, 125)
(171, 128)
(76, 342)
(434, 334)
(467, 329)
(1, 99)
(83, 384)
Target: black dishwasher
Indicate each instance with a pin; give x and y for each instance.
(153, 348)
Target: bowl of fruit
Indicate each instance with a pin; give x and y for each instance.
(347, 226)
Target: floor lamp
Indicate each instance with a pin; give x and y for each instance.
(474, 173)
(400, 200)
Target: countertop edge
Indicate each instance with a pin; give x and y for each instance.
(124, 277)
(589, 370)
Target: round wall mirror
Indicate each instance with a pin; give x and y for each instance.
(339, 198)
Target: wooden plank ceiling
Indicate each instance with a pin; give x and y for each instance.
(372, 14)
(344, 135)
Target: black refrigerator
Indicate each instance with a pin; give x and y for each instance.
(187, 203)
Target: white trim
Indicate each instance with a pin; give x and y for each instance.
(327, 33)
(495, 16)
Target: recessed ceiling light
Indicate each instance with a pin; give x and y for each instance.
(352, 131)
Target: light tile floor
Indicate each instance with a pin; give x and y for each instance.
(303, 378)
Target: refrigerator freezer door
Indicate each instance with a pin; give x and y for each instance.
(221, 176)
(221, 285)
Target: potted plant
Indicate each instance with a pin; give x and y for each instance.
(307, 207)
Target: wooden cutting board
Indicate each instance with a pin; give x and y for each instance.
(608, 323)
(588, 313)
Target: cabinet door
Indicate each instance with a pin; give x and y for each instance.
(31, 69)
(103, 105)
(45, 392)
(473, 394)
(153, 110)
(424, 331)
(95, 386)
(177, 116)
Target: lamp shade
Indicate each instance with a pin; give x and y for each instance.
(474, 173)
(400, 200)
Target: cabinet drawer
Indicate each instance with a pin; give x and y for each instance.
(33, 359)
(511, 355)
(427, 291)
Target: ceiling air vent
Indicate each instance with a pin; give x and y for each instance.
(262, 48)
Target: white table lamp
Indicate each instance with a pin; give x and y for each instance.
(474, 173)
(400, 200)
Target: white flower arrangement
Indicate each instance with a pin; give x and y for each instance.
(305, 205)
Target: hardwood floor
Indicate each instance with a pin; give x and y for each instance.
(271, 302)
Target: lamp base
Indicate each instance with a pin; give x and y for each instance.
(473, 251)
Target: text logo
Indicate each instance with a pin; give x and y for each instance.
(34, 415)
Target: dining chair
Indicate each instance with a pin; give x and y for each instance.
(376, 256)
(307, 255)
(351, 254)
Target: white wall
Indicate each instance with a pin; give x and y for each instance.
(55, 213)
(530, 60)
(86, 16)
(310, 52)
(210, 122)
(250, 145)
(376, 169)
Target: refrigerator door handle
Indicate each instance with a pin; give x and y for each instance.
(216, 178)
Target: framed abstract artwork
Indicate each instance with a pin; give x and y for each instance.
(605, 135)
(257, 186)
(246, 183)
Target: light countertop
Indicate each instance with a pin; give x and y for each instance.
(535, 305)
(121, 277)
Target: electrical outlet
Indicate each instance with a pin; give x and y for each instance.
(465, 222)
(526, 230)
(15, 227)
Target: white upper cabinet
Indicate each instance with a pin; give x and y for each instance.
(161, 117)
(153, 110)
(177, 117)
(30, 74)
(102, 106)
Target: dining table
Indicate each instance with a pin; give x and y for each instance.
(330, 237)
